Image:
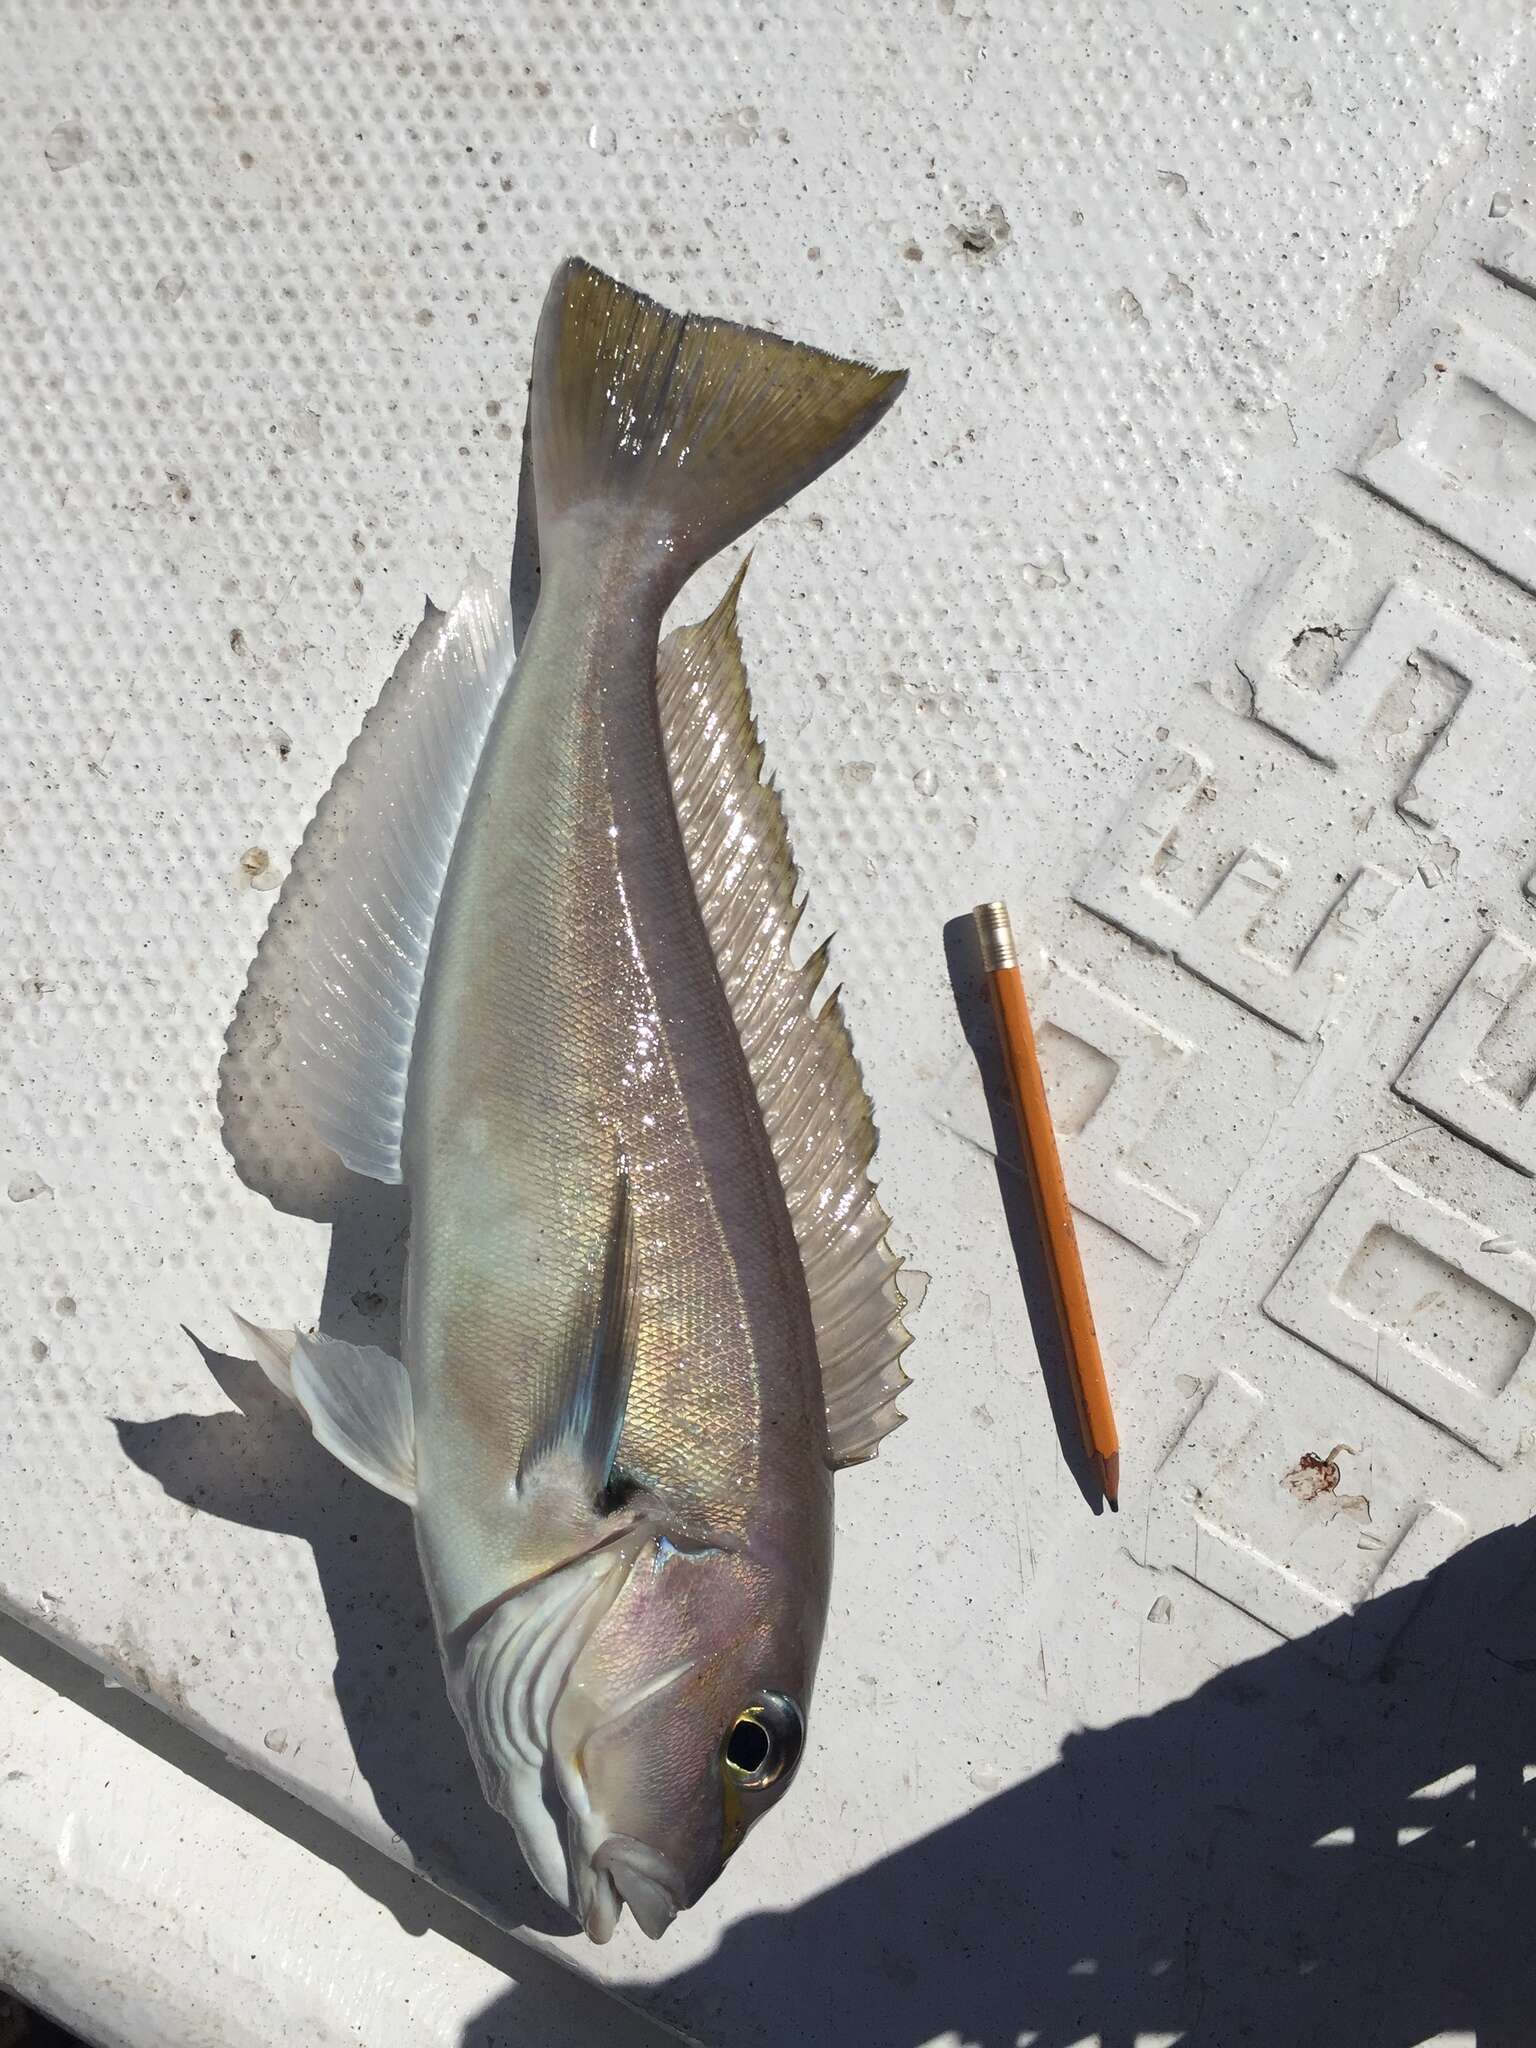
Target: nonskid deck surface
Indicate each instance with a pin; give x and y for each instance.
(1185, 601)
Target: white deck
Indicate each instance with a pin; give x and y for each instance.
(1185, 599)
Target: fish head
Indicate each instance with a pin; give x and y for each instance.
(680, 1725)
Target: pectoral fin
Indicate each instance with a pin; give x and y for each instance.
(357, 1400)
(584, 1392)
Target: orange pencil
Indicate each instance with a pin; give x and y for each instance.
(1054, 1212)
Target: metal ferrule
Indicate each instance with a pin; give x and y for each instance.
(995, 932)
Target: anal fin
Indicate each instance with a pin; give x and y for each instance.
(354, 1011)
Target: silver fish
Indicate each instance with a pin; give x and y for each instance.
(650, 1307)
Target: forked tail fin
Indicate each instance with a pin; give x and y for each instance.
(686, 429)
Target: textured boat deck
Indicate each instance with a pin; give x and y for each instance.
(1186, 600)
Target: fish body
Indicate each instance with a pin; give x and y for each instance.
(574, 1027)
(649, 1307)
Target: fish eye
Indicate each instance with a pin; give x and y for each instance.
(764, 1741)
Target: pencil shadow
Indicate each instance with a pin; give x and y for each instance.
(257, 1463)
(1330, 1844)
(968, 982)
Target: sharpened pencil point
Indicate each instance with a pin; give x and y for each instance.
(1109, 1471)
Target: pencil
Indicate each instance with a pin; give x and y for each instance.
(1052, 1209)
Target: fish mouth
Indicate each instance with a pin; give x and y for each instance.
(624, 1872)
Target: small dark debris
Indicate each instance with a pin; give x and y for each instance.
(981, 234)
(1313, 1476)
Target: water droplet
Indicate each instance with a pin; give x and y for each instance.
(914, 1288)
(1499, 205)
(276, 1739)
(1161, 1608)
(67, 146)
(256, 869)
(925, 781)
(26, 1187)
(993, 774)
(602, 139)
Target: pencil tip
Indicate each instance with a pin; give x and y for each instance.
(1109, 1473)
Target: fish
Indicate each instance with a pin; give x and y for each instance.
(554, 989)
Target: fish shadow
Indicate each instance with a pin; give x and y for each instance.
(257, 1463)
(1331, 1843)
(973, 1005)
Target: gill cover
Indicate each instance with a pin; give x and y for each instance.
(505, 1688)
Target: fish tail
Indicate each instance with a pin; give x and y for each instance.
(683, 430)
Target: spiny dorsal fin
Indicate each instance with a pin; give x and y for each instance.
(808, 1083)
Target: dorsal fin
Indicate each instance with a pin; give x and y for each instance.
(808, 1084)
(353, 1015)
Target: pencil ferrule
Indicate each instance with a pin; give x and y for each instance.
(994, 929)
